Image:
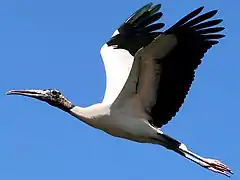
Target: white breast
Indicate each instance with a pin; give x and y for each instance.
(128, 122)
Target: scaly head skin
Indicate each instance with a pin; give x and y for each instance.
(51, 96)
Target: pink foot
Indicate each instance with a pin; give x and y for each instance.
(217, 167)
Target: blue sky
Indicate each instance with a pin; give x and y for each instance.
(55, 44)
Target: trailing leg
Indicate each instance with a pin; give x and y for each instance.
(211, 164)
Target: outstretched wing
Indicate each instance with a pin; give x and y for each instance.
(195, 35)
(118, 53)
(163, 71)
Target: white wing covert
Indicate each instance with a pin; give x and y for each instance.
(118, 64)
(118, 53)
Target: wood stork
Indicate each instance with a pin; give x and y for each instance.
(149, 74)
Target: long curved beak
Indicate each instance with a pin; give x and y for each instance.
(39, 94)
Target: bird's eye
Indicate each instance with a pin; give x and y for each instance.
(54, 92)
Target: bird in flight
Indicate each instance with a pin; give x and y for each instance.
(149, 73)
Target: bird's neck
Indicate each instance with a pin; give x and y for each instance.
(89, 114)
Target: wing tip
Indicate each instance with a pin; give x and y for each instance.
(199, 9)
(148, 6)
